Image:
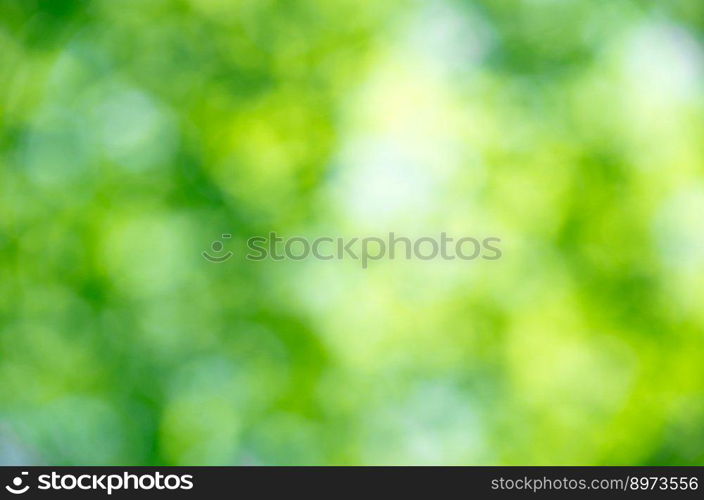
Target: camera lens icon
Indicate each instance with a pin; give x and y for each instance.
(217, 247)
(16, 488)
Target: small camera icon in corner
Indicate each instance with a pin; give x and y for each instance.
(217, 247)
(16, 487)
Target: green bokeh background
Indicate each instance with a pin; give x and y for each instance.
(133, 134)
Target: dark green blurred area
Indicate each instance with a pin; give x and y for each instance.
(133, 134)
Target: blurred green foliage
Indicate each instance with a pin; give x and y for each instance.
(133, 134)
